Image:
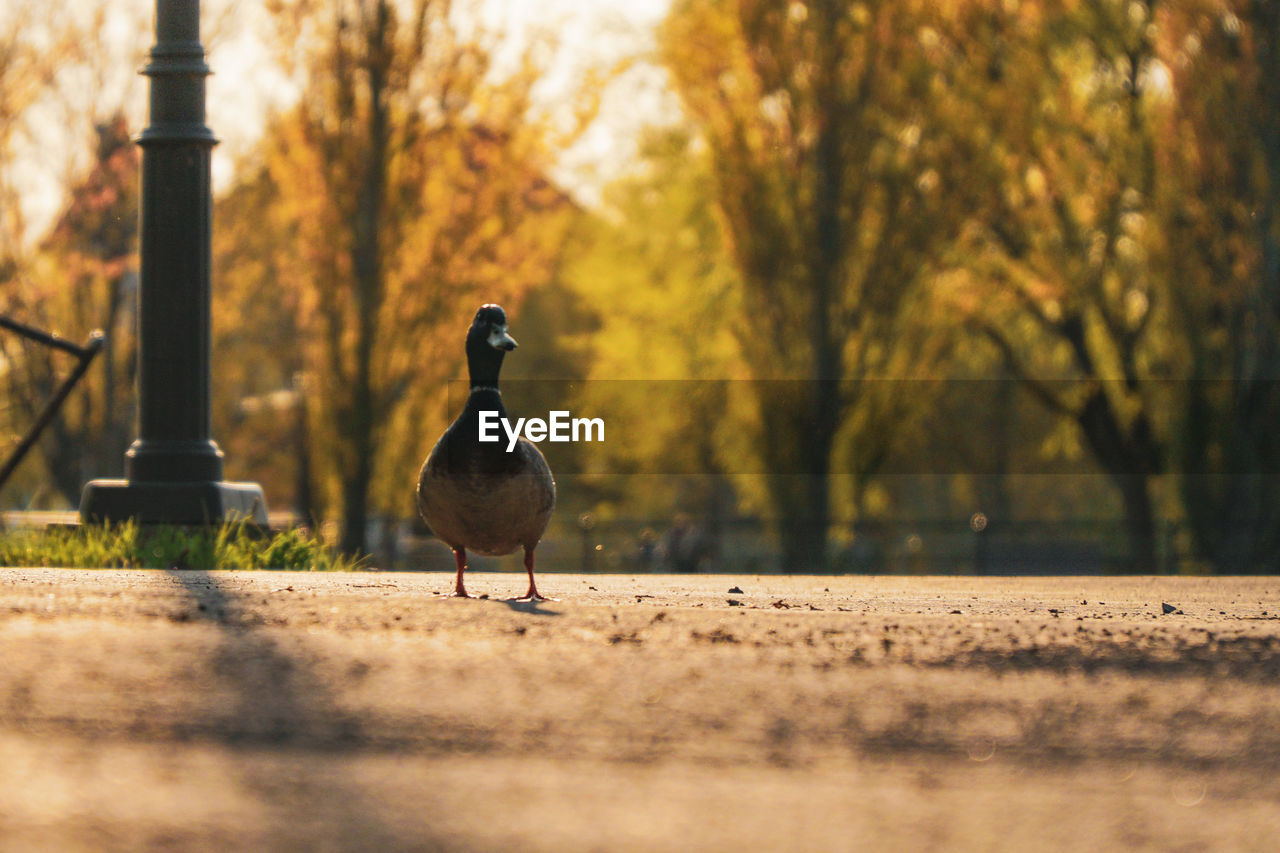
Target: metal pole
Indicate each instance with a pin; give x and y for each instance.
(174, 468)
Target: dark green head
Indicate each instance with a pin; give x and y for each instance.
(487, 342)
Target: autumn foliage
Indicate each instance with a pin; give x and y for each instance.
(1027, 253)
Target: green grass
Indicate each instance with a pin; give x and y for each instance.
(128, 545)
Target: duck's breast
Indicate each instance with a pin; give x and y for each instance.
(485, 512)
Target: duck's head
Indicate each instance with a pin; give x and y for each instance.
(491, 324)
(487, 342)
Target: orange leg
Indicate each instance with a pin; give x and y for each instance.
(532, 594)
(460, 557)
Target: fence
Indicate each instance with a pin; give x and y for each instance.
(747, 546)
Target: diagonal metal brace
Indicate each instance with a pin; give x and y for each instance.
(84, 357)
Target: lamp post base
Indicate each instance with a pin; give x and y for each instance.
(195, 503)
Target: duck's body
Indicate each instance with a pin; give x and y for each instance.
(476, 495)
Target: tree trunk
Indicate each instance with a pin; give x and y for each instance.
(304, 493)
(367, 264)
(805, 518)
(1131, 456)
(1239, 543)
(355, 508)
(801, 465)
(1139, 521)
(803, 527)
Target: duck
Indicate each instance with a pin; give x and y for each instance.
(478, 496)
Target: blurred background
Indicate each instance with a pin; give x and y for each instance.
(983, 286)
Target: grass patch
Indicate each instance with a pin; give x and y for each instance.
(128, 545)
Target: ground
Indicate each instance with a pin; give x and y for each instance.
(235, 710)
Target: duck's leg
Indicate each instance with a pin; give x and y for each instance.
(460, 557)
(532, 594)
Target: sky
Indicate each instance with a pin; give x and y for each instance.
(244, 87)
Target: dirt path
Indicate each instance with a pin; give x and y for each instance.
(213, 711)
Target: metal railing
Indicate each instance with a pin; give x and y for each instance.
(900, 545)
(84, 356)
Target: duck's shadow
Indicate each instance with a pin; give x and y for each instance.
(523, 605)
(535, 608)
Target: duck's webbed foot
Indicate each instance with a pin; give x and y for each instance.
(532, 597)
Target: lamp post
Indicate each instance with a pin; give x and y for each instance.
(174, 468)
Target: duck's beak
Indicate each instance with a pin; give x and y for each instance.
(499, 339)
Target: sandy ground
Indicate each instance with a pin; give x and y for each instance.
(256, 711)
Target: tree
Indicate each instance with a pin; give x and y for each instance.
(827, 177)
(1223, 220)
(653, 272)
(26, 73)
(408, 185)
(82, 278)
(1065, 103)
(64, 97)
(261, 411)
(1128, 195)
